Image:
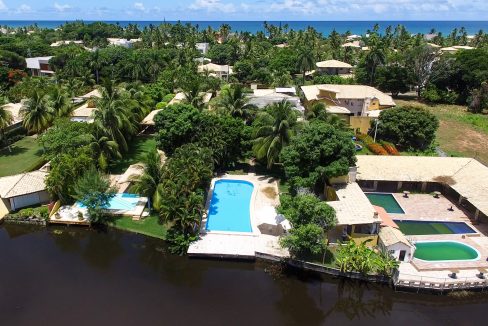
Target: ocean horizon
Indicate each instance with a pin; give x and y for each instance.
(324, 27)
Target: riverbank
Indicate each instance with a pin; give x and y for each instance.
(148, 226)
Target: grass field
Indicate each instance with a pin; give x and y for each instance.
(25, 155)
(137, 149)
(460, 133)
(149, 226)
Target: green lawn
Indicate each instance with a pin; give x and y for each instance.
(148, 226)
(137, 149)
(25, 155)
(460, 133)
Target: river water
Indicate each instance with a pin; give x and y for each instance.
(74, 276)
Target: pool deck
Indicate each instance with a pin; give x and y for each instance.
(238, 244)
(435, 275)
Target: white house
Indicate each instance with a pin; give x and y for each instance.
(334, 67)
(396, 244)
(203, 48)
(219, 71)
(264, 97)
(84, 113)
(22, 190)
(39, 66)
(123, 42)
(59, 43)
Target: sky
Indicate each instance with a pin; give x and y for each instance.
(221, 10)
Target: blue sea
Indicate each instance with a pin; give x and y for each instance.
(325, 27)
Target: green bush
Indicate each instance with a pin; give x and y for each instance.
(168, 98)
(161, 105)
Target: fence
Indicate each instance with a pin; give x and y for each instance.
(439, 284)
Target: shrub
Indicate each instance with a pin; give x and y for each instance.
(161, 105)
(377, 149)
(390, 148)
(366, 139)
(168, 98)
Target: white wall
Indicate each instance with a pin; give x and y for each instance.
(395, 249)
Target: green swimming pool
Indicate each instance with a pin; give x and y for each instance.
(385, 200)
(445, 251)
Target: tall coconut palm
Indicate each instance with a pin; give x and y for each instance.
(305, 61)
(6, 119)
(103, 150)
(274, 130)
(37, 112)
(61, 103)
(147, 183)
(234, 102)
(112, 115)
(96, 64)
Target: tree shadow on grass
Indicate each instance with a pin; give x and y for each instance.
(14, 150)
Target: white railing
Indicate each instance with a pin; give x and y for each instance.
(439, 283)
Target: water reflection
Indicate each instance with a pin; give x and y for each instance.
(358, 299)
(149, 284)
(99, 248)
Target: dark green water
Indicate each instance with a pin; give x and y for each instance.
(387, 201)
(74, 276)
(444, 250)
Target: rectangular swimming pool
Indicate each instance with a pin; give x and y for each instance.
(230, 206)
(409, 227)
(120, 202)
(387, 201)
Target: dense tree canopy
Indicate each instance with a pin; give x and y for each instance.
(317, 153)
(408, 127)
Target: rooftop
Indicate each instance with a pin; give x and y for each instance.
(34, 63)
(390, 236)
(353, 207)
(22, 184)
(312, 92)
(149, 119)
(333, 64)
(467, 176)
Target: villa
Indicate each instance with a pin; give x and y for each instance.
(215, 70)
(334, 67)
(123, 42)
(180, 97)
(264, 97)
(356, 104)
(84, 113)
(39, 66)
(23, 190)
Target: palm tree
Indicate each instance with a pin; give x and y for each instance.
(305, 61)
(37, 112)
(194, 97)
(274, 130)
(147, 183)
(61, 102)
(104, 150)
(234, 102)
(96, 64)
(6, 119)
(113, 117)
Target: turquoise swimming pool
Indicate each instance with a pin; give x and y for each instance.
(230, 206)
(120, 202)
(385, 200)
